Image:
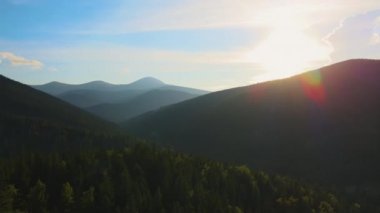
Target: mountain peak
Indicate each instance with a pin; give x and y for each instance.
(53, 83)
(149, 80)
(96, 83)
(146, 83)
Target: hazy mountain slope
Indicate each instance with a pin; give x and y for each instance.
(326, 130)
(88, 98)
(33, 120)
(184, 89)
(148, 101)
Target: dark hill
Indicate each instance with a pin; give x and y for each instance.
(31, 119)
(322, 125)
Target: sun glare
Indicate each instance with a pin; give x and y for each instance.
(288, 49)
(288, 52)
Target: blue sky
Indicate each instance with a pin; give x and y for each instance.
(208, 44)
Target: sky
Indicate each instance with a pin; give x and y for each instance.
(206, 44)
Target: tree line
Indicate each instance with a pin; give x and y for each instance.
(144, 178)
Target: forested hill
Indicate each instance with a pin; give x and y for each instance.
(23, 101)
(33, 120)
(323, 125)
(142, 178)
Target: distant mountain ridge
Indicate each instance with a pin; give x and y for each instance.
(322, 125)
(56, 88)
(118, 102)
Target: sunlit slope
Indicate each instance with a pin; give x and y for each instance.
(323, 125)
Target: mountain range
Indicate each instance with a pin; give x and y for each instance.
(321, 126)
(119, 102)
(55, 157)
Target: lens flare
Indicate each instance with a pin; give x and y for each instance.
(313, 87)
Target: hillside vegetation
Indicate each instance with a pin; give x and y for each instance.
(141, 178)
(322, 125)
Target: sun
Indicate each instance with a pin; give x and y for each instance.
(286, 52)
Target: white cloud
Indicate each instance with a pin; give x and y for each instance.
(375, 39)
(357, 38)
(329, 22)
(20, 61)
(206, 14)
(377, 22)
(321, 19)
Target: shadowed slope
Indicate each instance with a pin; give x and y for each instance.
(323, 125)
(33, 120)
